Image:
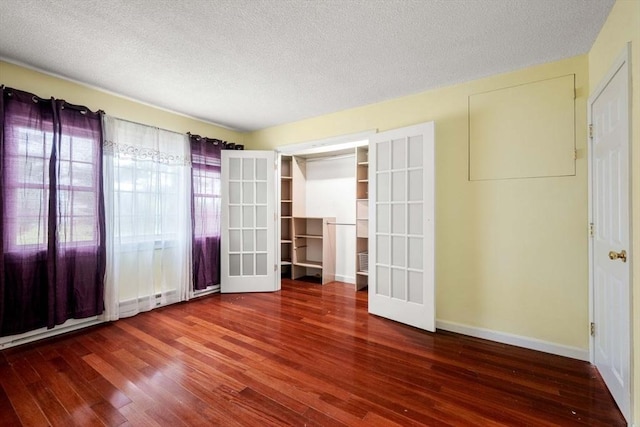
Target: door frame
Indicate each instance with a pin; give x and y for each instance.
(622, 59)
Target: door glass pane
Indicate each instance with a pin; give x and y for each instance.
(234, 168)
(247, 264)
(382, 279)
(261, 216)
(234, 240)
(415, 287)
(261, 193)
(398, 219)
(415, 253)
(398, 284)
(247, 241)
(415, 219)
(234, 265)
(247, 169)
(383, 187)
(398, 186)
(261, 264)
(234, 193)
(415, 185)
(415, 151)
(398, 251)
(261, 240)
(261, 169)
(234, 217)
(382, 218)
(247, 192)
(398, 153)
(247, 216)
(383, 156)
(382, 249)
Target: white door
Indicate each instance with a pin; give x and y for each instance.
(610, 248)
(248, 222)
(401, 225)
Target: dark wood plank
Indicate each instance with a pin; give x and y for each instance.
(307, 355)
(9, 416)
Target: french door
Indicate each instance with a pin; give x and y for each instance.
(248, 224)
(401, 225)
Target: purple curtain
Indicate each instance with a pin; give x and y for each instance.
(52, 206)
(205, 210)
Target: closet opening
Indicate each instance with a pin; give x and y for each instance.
(323, 210)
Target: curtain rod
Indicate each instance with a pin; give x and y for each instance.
(142, 124)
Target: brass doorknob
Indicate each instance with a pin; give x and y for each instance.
(622, 255)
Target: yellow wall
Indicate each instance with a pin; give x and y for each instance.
(622, 26)
(46, 86)
(511, 255)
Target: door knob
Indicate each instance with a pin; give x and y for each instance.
(622, 255)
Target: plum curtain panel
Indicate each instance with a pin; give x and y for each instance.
(51, 202)
(205, 205)
(147, 182)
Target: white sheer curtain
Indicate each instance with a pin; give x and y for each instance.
(147, 182)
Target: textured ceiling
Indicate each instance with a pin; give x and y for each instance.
(251, 64)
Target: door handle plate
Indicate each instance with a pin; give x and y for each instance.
(622, 255)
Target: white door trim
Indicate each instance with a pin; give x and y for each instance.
(334, 143)
(620, 61)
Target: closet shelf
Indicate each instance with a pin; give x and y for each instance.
(286, 241)
(285, 201)
(285, 261)
(308, 236)
(362, 216)
(308, 263)
(286, 217)
(286, 178)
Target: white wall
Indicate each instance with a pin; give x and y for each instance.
(331, 191)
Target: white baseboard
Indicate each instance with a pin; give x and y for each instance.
(517, 340)
(345, 279)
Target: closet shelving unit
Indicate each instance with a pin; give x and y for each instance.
(362, 217)
(286, 215)
(313, 249)
(308, 244)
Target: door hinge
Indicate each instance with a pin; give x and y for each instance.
(592, 329)
(591, 131)
(575, 154)
(591, 229)
(275, 267)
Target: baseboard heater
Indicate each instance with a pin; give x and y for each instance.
(42, 333)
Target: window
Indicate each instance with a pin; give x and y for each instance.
(206, 195)
(146, 200)
(28, 189)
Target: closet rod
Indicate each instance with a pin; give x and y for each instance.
(327, 157)
(339, 223)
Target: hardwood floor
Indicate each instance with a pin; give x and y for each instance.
(306, 356)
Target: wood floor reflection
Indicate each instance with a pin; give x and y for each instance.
(308, 355)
